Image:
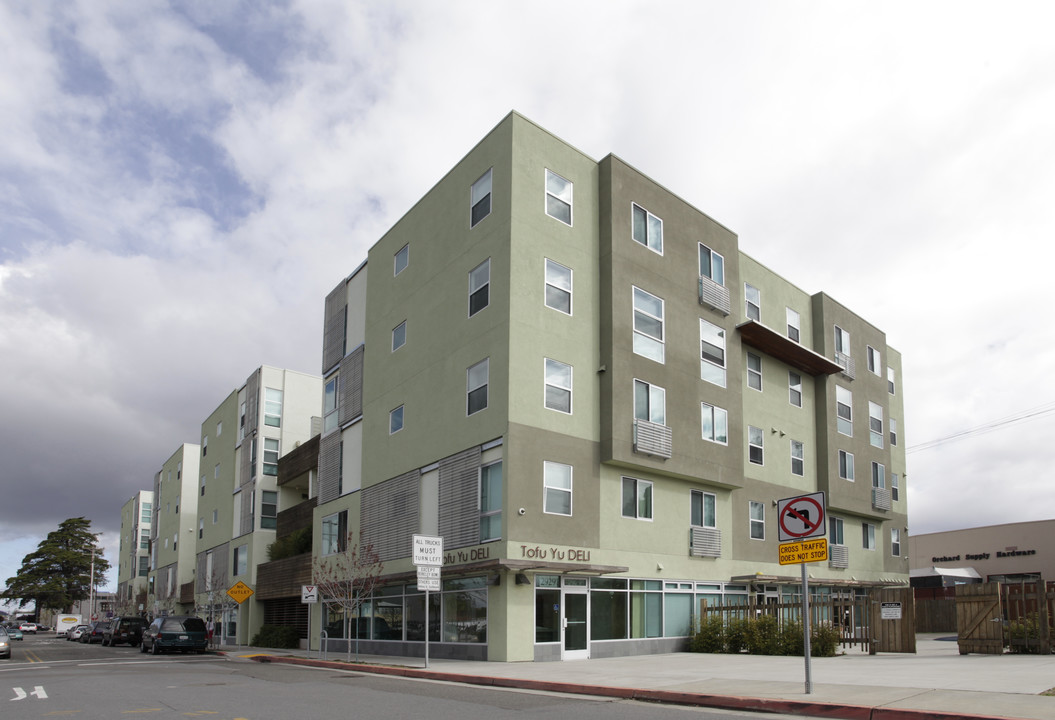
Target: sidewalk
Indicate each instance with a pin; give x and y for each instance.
(936, 682)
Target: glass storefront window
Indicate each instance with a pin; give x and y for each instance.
(677, 614)
(465, 616)
(547, 610)
(608, 614)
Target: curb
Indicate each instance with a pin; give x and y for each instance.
(726, 702)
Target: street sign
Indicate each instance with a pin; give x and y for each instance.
(428, 550)
(428, 578)
(240, 592)
(309, 594)
(804, 551)
(800, 518)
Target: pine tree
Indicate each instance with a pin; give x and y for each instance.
(58, 573)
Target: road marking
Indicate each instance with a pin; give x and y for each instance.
(21, 694)
(140, 710)
(33, 657)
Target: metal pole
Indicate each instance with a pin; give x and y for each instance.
(426, 629)
(806, 627)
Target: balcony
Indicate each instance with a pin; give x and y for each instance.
(838, 556)
(847, 364)
(652, 439)
(785, 349)
(714, 296)
(880, 498)
(705, 542)
(283, 578)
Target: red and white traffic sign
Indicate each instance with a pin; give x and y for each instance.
(801, 517)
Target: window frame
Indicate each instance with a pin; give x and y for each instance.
(397, 265)
(649, 241)
(895, 542)
(875, 425)
(868, 536)
(892, 424)
(333, 533)
(703, 496)
(273, 418)
(846, 463)
(475, 201)
(753, 433)
(874, 360)
(842, 341)
(794, 389)
(836, 531)
(709, 274)
(840, 416)
(483, 287)
(800, 458)
(275, 452)
(396, 417)
(330, 411)
(796, 326)
(491, 511)
(570, 187)
(642, 491)
(756, 522)
(547, 385)
(712, 372)
(649, 341)
(400, 332)
(895, 487)
(754, 375)
(470, 389)
(652, 392)
(548, 488)
(268, 521)
(709, 415)
(557, 288)
(749, 303)
(878, 475)
(890, 387)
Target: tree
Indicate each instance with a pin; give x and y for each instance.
(348, 579)
(59, 572)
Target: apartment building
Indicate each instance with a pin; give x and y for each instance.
(133, 562)
(580, 382)
(172, 545)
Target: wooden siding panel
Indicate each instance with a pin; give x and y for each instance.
(330, 467)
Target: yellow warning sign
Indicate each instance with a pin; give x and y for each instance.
(804, 551)
(240, 592)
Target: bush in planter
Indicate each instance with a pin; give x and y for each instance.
(736, 635)
(276, 636)
(791, 640)
(824, 640)
(763, 636)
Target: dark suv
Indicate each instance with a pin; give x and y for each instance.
(175, 632)
(124, 629)
(94, 633)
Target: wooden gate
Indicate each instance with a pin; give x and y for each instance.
(979, 621)
(893, 620)
(1027, 610)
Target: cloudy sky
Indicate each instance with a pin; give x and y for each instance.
(182, 182)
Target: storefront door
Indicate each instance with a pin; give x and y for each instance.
(576, 630)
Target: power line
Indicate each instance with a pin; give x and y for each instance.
(1022, 417)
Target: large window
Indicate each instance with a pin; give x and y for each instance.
(558, 197)
(846, 465)
(271, 452)
(715, 423)
(479, 287)
(844, 401)
(334, 533)
(794, 388)
(491, 502)
(401, 260)
(757, 519)
(650, 402)
(648, 229)
(798, 458)
(272, 407)
(752, 302)
(712, 265)
(480, 199)
(754, 371)
(557, 488)
(558, 386)
(648, 325)
(875, 424)
(702, 509)
(637, 498)
(712, 353)
(793, 324)
(868, 536)
(268, 510)
(476, 387)
(755, 442)
(558, 287)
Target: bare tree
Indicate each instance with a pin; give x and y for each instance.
(348, 578)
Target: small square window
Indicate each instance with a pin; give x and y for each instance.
(399, 336)
(395, 420)
(479, 287)
(558, 386)
(558, 287)
(401, 260)
(558, 197)
(647, 228)
(637, 499)
(480, 199)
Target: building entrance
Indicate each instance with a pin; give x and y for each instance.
(575, 621)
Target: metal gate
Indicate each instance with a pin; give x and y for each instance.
(893, 620)
(979, 621)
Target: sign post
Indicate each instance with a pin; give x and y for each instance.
(240, 592)
(428, 559)
(309, 595)
(799, 519)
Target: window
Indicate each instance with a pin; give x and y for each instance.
(145, 512)
(399, 336)
(268, 510)
(558, 386)
(758, 521)
(558, 197)
(329, 403)
(890, 380)
(798, 458)
(201, 486)
(755, 441)
(793, 325)
(241, 559)
(715, 422)
(895, 485)
(272, 407)
(241, 422)
(491, 502)
(712, 353)
(401, 260)
(480, 199)
(479, 287)
(216, 471)
(557, 488)
(637, 499)
(846, 465)
(895, 542)
(874, 363)
(558, 287)
(878, 475)
(842, 341)
(204, 450)
(271, 450)
(794, 388)
(753, 302)
(201, 528)
(702, 509)
(215, 516)
(712, 265)
(835, 531)
(144, 566)
(476, 387)
(875, 425)
(844, 410)
(754, 371)
(648, 229)
(335, 533)
(144, 539)
(868, 536)
(893, 431)
(395, 420)
(650, 403)
(648, 325)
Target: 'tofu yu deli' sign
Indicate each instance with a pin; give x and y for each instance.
(527, 552)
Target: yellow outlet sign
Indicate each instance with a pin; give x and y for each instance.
(240, 592)
(804, 551)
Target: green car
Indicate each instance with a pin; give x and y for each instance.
(13, 632)
(175, 632)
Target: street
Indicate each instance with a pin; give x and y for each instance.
(49, 677)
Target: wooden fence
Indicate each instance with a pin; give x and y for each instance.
(851, 616)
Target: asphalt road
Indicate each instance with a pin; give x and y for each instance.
(49, 678)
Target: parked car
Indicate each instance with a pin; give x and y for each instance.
(175, 632)
(28, 627)
(5, 643)
(14, 632)
(124, 629)
(94, 633)
(76, 632)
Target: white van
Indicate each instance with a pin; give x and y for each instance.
(65, 623)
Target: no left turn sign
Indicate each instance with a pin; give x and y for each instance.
(802, 517)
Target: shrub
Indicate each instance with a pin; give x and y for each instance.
(276, 636)
(824, 640)
(709, 636)
(736, 635)
(763, 636)
(791, 639)
(1026, 628)
(296, 543)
